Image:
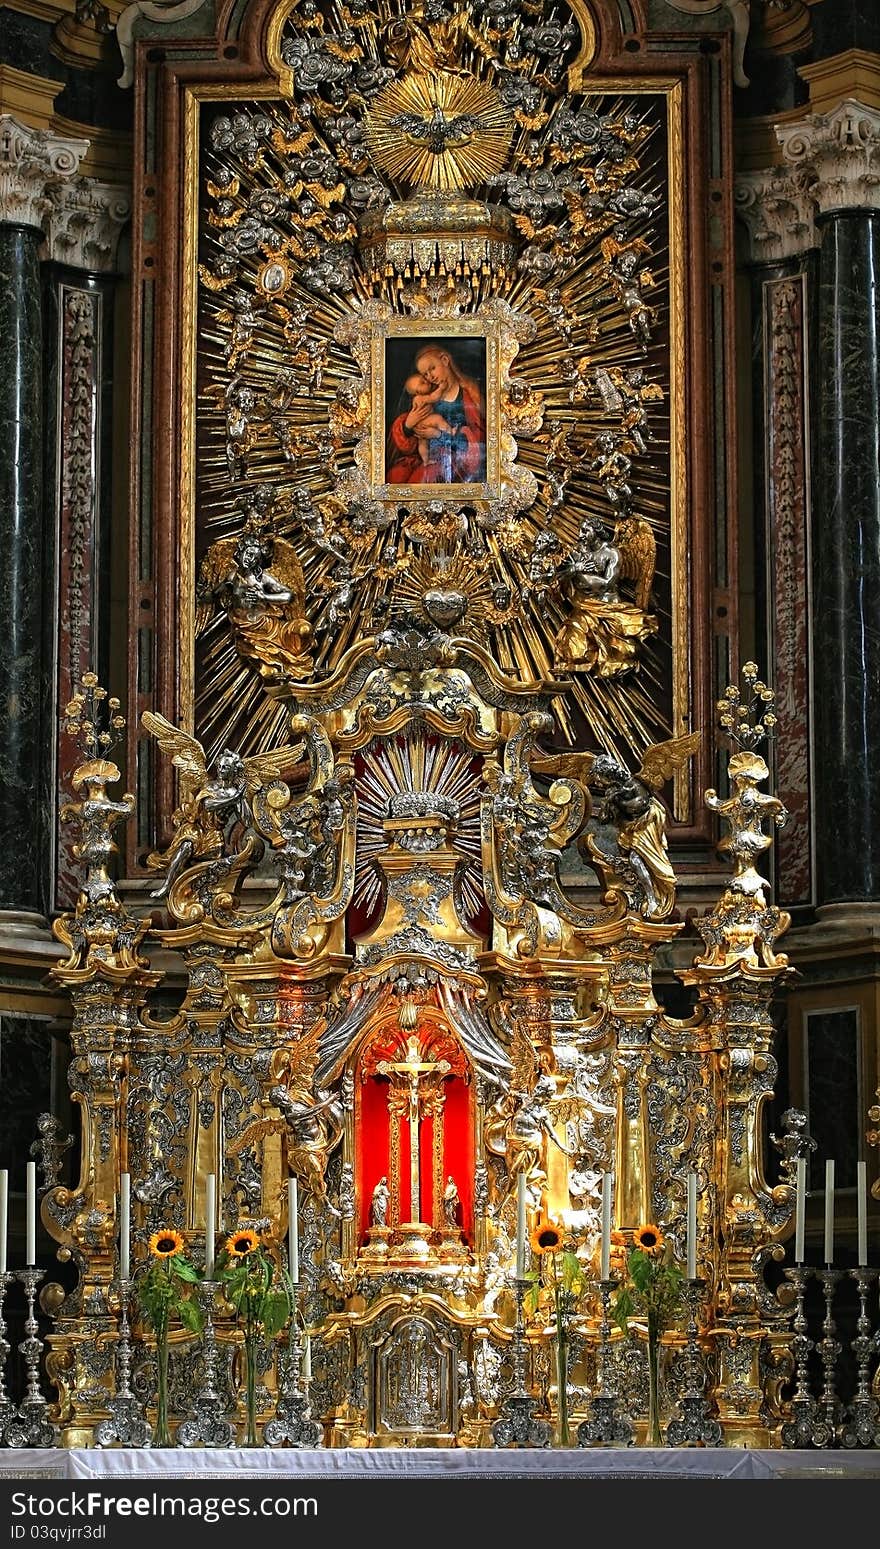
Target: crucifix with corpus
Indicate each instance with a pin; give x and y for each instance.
(416, 1093)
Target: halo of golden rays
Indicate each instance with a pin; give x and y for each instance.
(428, 581)
(417, 763)
(471, 130)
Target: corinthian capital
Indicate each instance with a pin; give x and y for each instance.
(32, 163)
(83, 223)
(777, 208)
(839, 155)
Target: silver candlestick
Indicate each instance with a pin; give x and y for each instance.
(862, 1424)
(207, 1426)
(517, 1425)
(606, 1424)
(827, 1421)
(798, 1431)
(693, 1423)
(127, 1422)
(292, 1422)
(7, 1408)
(29, 1426)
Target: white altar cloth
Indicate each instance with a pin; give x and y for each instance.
(123, 1463)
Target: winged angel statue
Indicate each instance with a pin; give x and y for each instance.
(215, 805)
(625, 834)
(310, 1119)
(522, 1121)
(258, 580)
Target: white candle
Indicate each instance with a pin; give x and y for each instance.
(124, 1224)
(605, 1258)
(210, 1220)
(862, 1196)
(4, 1208)
(521, 1226)
(31, 1217)
(692, 1226)
(800, 1209)
(829, 1213)
(293, 1230)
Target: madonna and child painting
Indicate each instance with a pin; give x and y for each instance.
(435, 411)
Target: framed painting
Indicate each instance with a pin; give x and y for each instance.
(435, 420)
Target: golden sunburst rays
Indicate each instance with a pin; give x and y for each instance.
(452, 593)
(418, 763)
(581, 325)
(439, 131)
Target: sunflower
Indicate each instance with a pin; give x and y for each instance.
(546, 1236)
(241, 1243)
(649, 1238)
(165, 1243)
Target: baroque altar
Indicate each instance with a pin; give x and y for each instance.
(436, 529)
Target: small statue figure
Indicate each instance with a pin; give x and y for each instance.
(592, 567)
(213, 805)
(258, 580)
(451, 1203)
(379, 1203)
(603, 631)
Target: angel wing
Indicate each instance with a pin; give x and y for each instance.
(287, 569)
(217, 567)
(187, 754)
(525, 1065)
(570, 766)
(665, 759)
(638, 553)
(263, 768)
(295, 1065)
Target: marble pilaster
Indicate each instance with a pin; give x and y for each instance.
(21, 573)
(33, 163)
(846, 559)
(826, 197)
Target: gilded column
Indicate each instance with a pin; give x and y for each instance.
(32, 162)
(837, 157)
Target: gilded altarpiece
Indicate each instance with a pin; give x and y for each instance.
(436, 565)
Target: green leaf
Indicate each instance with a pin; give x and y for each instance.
(191, 1316)
(183, 1269)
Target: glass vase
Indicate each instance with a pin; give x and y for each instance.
(163, 1435)
(653, 1434)
(250, 1381)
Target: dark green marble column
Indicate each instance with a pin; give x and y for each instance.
(846, 559)
(22, 582)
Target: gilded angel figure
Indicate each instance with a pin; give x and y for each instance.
(258, 580)
(213, 802)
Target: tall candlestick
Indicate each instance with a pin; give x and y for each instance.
(4, 1210)
(692, 1226)
(124, 1224)
(210, 1220)
(862, 1196)
(307, 1357)
(31, 1215)
(605, 1257)
(829, 1213)
(521, 1226)
(800, 1209)
(293, 1230)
